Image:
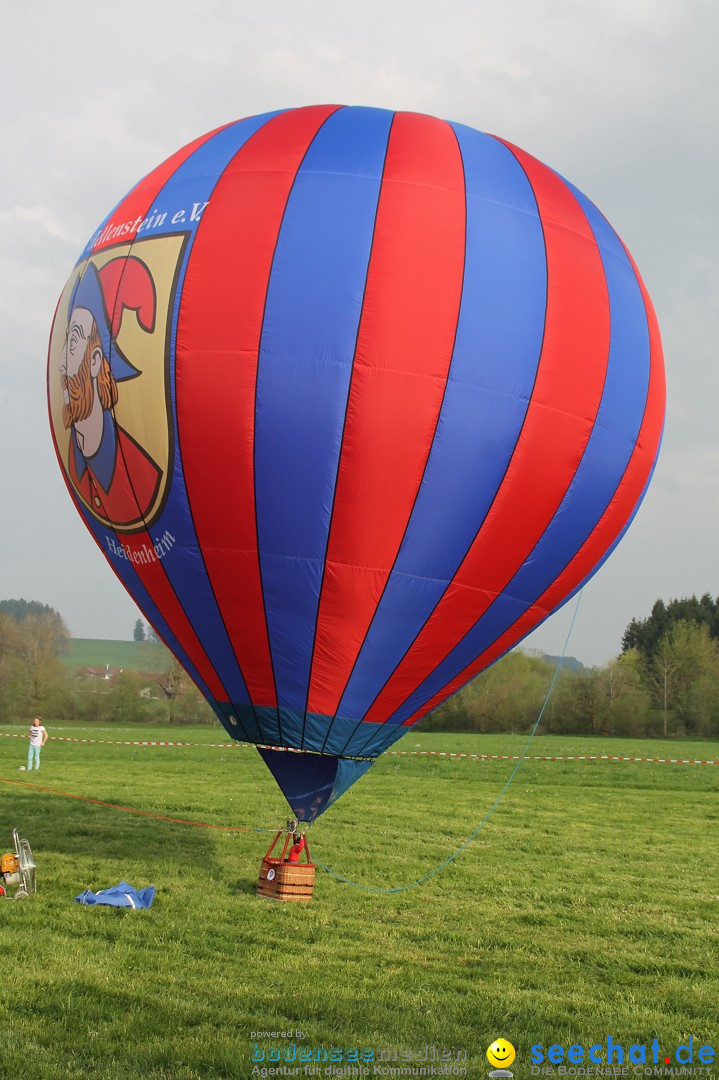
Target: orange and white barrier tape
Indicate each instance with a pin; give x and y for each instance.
(391, 753)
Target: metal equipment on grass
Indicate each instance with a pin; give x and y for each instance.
(18, 869)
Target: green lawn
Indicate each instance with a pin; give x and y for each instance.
(586, 907)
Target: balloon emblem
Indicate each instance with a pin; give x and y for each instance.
(351, 400)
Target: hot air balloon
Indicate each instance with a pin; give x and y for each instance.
(351, 400)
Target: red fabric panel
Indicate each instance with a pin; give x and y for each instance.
(607, 530)
(217, 351)
(402, 358)
(557, 426)
(129, 214)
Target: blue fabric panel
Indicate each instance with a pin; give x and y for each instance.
(253, 723)
(490, 381)
(122, 895)
(327, 734)
(373, 743)
(363, 739)
(285, 727)
(599, 474)
(375, 739)
(193, 183)
(610, 549)
(348, 772)
(314, 303)
(342, 731)
(311, 782)
(239, 720)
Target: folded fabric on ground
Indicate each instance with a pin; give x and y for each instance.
(122, 895)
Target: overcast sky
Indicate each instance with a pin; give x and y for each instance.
(620, 96)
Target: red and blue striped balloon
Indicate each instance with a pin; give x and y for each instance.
(384, 391)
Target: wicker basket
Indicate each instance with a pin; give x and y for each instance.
(281, 880)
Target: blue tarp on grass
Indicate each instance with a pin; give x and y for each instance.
(122, 895)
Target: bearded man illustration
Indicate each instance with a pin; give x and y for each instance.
(112, 473)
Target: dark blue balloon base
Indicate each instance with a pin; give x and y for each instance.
(333, 736)
(311, 782)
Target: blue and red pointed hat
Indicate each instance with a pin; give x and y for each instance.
(124, 282)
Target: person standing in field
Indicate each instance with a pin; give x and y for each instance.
(38, 738)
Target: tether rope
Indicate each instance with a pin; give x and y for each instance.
(493, 807)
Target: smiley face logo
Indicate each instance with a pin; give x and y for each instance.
(500, 1054)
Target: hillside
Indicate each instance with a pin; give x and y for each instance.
(129, 655)
(145, 656)
(569, 663)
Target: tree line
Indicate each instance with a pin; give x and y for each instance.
(664, 682)
(34, 680)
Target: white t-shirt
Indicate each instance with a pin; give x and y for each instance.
(36, 734)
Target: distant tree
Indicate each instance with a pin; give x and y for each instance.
(43, 636)
(41, 620)
(185, 704)
(576, 704)
(14, 677)
(125, 700)
(685, 677)
(93, 699)
(505, 697)
(20, 609)
(138, 634)
(645, 634)
(569, 663)
(626, 704)
(10, 635)
(662, 670)
(31, 675)
(152, 654)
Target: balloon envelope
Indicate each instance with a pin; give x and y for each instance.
(351, 400)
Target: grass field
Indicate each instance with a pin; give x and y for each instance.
(128, 655)
(586, 907)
